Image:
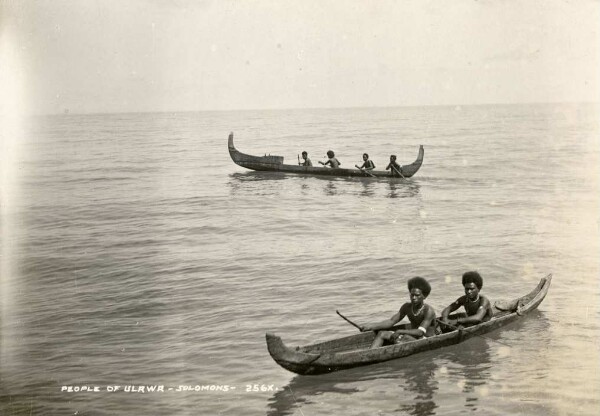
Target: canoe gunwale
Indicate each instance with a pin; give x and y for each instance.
(323, 361)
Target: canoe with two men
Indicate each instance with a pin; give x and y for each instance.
(422, 317)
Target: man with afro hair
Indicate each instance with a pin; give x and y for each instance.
(477, 306)
(420, 315)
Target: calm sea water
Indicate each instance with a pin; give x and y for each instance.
(136, 253)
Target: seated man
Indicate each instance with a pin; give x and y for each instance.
(477, 306)
(420, 315)
(396, 169)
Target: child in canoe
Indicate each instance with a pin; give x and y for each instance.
(307, 161)
(332, 161)
(420, 315)
(368, 163)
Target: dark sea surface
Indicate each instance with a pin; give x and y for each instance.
(136, 253)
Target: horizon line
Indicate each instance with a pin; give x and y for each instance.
(67, 111)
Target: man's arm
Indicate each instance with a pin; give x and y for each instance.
(478, 317)
(388, 323)
(450, 308)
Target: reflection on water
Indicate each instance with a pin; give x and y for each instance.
(403, 189)
(259, 176)
(422, 383)
(239, 178)
(299, 392)
(371, 187)
(330, 188)
(368, 188)
(416, 387)
(469, 363)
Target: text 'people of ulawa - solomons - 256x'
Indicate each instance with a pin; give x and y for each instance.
(160, 388)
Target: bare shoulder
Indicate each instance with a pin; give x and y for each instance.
(430, 311)
(460, 301)
(405, 308)
(485, 302)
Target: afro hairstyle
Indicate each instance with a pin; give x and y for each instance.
(472, 277)
(421, 284)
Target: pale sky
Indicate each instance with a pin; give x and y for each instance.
(113, 56)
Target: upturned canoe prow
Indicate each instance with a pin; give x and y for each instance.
(230, 142)
(269, 163)
(537, 295)
(260, 163)
(410, 170)
(287, 357)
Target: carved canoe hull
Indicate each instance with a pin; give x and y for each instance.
(353, 351)
(275, 164)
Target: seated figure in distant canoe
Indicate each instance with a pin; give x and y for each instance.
(332, 161)
(420, 315)
(396, 169)
(306, 161)
(368, 163)
(477, 306)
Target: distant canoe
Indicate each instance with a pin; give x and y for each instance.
(275, 164)
(354, 351)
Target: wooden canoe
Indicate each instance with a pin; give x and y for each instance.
(353, 351)
(275, 164)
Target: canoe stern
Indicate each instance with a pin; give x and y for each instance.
(292, 360)
(267, 163)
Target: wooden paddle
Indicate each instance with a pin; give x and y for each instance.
(479, 335)
(365, 171)
(397, 171)
(298, 160)
(349, 321)
(437, 319)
